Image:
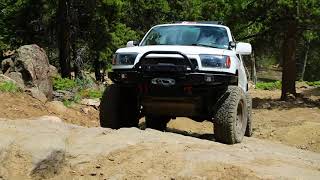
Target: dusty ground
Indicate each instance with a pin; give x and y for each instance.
(47, 148)
(295, 123)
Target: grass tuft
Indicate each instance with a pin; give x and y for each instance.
(81, 88)
(9, 86)
(269, 85)
(314, 83)
(63, 84)
(91, 93)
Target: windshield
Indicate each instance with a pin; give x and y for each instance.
(186, 35)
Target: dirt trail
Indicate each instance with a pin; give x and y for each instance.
(48, 148)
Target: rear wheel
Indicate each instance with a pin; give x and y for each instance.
(231, 116)
(157, 122)
(119, 107)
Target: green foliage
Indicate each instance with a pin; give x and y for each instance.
(82, 88)
(140, 15)
(269, 85)
(23, 21)
(64, 84)
(182, 10)
(312, 72)
(85, 83)
(91, 93)
(81, 94)
(266, 61)
(68, 103)
(9, 86)
(277, 85)
(105, 25)
(75, 99)
(314, 83)
(119, 37)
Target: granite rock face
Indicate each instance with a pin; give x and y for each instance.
(47, 148)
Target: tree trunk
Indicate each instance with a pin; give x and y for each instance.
(289, 61)
(305, 60)
(74, 27)
(76, 63)
(63, 32)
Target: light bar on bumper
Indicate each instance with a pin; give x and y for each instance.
(215, 61)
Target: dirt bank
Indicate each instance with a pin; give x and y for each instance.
(22, 106)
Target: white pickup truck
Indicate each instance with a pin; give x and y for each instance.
(185, 69)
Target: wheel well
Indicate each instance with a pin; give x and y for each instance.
(237, 75)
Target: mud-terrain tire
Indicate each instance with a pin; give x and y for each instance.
(231, 116)
(118, 107)
(157, 122)
(249, 130)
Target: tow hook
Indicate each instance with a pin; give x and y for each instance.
(163, 81)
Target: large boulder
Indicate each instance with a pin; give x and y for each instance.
(33, 64)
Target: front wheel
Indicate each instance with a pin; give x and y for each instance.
(231, 116)
(118, 107)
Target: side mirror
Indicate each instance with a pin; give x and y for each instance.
(132, 43)
(232, 44)
(243, 48)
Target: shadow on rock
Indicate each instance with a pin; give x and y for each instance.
(208, 136)
(50, 166)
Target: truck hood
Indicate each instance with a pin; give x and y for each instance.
(188, 50)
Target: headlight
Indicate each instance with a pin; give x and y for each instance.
(124, 58)
(215, 61)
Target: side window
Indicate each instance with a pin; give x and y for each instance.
(153, 38)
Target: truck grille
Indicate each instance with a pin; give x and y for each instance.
(166, 60)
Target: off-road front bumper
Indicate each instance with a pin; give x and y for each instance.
(131, 77)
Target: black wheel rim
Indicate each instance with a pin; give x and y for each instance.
(240, 118)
